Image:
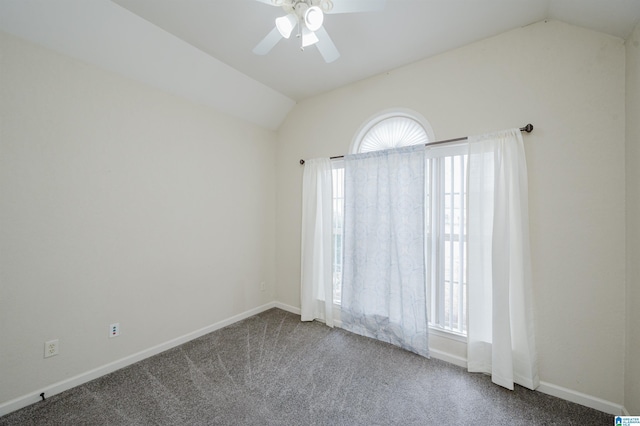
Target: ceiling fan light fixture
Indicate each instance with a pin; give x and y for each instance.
(308, 37)
(286, 24)
(313, 18)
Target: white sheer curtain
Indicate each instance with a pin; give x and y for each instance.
(317, 283)
(383, 287)
(500, 335)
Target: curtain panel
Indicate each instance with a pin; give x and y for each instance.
(383, 288)
(316, 270)
(500, 339)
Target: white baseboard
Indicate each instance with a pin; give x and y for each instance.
(582, 399)
(33, 397)
(286, 307)
(550, 389)
(453, 359)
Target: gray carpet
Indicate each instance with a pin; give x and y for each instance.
(272, 369)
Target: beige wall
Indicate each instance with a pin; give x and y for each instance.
(570, 83)
(632, 370)
(120, 203)
(117, 203)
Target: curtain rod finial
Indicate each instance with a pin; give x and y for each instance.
(528, 128)
(302, 162)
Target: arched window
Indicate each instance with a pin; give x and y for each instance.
(446, 219)
(392, 129)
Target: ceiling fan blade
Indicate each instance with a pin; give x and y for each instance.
(267, 43)
(269, 2)
(327, 49)
(351, 6)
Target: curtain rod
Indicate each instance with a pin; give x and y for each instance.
(528, 128)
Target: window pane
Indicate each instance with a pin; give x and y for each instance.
(393, 132)
(447, 224)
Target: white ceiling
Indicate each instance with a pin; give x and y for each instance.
(370, 43)
(202, 49)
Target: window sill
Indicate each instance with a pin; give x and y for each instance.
(447, 334)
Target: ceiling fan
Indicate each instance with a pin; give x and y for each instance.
(308, 17)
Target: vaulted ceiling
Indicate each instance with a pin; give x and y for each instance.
(370, 43)
(202, 49)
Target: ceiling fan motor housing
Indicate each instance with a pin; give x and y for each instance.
(299, 7)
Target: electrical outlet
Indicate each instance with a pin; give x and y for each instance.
(51, 348)
(262, 286)
(114, 330)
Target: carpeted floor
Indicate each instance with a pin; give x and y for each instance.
(272, 369)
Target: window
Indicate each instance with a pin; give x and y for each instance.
(337, 224)
(446, 239)
(392, 129)
(445, 226)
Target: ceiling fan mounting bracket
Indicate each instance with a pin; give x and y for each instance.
(300, 6)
